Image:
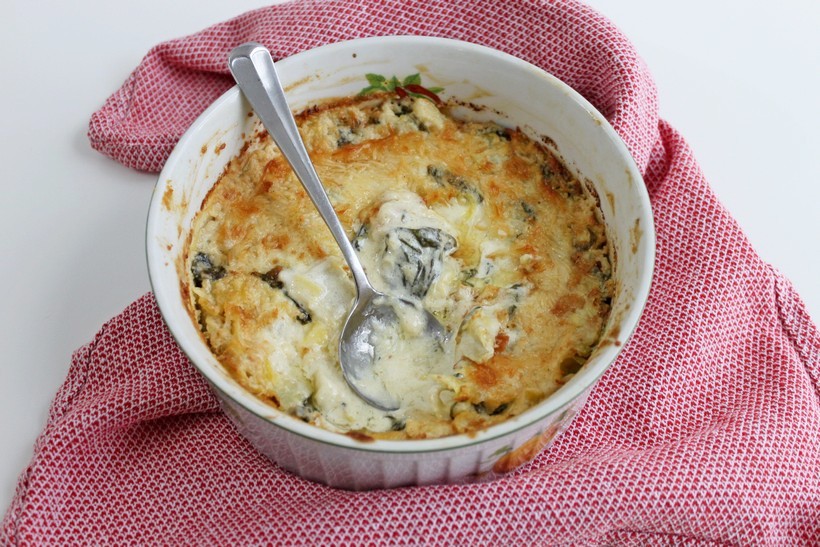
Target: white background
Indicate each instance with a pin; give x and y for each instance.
(740, 80)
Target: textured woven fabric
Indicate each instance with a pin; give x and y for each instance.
(705, 431)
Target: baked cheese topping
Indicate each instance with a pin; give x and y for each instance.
(473, 222)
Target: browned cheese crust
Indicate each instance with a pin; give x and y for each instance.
(258, 223)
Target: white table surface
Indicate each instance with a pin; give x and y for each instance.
(740, 82)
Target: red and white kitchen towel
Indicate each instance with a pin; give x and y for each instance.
(705, 431)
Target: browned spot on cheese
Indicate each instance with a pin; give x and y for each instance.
(316, 250)
(501, 341)
(484, 375)
(229, 194)
(276, 240)
(567, 304)
(493, 190)
(353, 153)
(264, 186)
(517, 167)
(554, 198)
(439, 195)
(496, 211)
(277, 169)
(244, 316)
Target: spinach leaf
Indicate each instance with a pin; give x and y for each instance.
(202, 267)
(419, 254)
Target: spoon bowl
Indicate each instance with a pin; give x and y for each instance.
(357, 348)
(253, 69)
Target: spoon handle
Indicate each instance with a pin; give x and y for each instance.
(252, 68)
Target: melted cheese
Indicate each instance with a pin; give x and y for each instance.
(474, 223)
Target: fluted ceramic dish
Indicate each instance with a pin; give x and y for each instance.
(513, 93)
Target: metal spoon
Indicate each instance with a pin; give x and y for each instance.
(254, 72)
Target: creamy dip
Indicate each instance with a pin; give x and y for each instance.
(472, 222)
